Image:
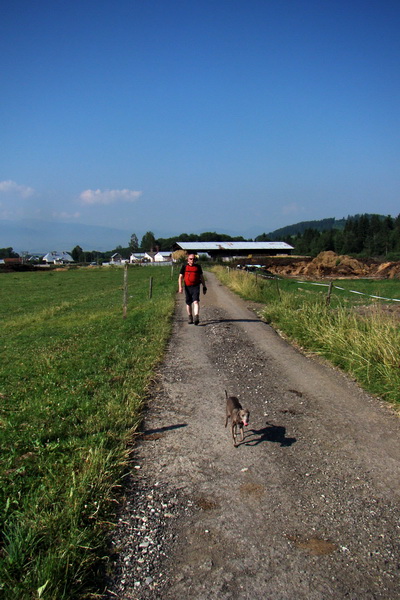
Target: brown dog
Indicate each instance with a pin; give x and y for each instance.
(239, 416)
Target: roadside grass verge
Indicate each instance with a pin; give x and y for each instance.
(353, 331)
(73, 379)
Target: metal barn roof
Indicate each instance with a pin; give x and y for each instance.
(231, 246)
(56, 256)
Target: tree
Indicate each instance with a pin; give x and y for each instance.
(8, 253)
(77, 253)
(179, 256)
(307, 243)
(124, 252)
(148, 242)
(134, 243)
(327, 241)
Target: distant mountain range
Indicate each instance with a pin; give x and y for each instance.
(39, 237)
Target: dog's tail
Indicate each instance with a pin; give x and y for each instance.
(226, 394)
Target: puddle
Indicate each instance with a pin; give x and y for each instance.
(314, 546)
(296, 393)
(206, 503)
(253, 490)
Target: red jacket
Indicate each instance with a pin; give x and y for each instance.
(192, 274)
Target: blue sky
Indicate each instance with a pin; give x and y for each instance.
(174, 116)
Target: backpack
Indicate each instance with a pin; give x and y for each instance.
(192, 275)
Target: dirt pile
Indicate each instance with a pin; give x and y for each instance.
(388, 270)
(328, 264)
(331, 265)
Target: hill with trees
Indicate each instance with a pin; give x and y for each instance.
(359, 235)
(321, 225)
(363, 235)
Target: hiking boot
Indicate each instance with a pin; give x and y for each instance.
(196, 320)
(190, 320)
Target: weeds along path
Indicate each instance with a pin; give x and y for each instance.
(306, 508)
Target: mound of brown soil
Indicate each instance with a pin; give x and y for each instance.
(329, 265)
(389, 270)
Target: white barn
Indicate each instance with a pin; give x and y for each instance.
(229, 250)
(58, 258)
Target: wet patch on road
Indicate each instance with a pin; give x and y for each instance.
(314, 545)
(252, 490)
(206, 503)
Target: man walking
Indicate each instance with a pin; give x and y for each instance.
(192, 276)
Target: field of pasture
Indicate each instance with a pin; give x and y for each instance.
(73, 378)
(355, 329)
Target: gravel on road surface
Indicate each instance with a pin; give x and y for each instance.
(307, 507)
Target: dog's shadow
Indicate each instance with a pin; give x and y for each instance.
(271, 433)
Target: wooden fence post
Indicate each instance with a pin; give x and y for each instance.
(151, 288)
(279, 291)
(125, 301)
(328, 298)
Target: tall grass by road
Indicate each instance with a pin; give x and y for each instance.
(73, 378)
(354, 332)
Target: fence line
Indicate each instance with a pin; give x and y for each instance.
(327, 285)
(351, 291)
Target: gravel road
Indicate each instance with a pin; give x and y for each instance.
(307, 507)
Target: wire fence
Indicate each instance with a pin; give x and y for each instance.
(337, 287)
(328, 285)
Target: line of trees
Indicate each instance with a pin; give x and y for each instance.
(368, 235)
(364, 236)
(150, 243)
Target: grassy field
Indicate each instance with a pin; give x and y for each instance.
(356, 332)
(73, 378)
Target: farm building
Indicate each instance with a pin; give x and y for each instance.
(229, 250)
(58, 258)
(162, 257)
(136, 257)
(150, 257)
(116, 259)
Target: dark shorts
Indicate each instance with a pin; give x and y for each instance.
(192, 293)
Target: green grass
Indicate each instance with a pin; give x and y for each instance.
(355, 332)
(73, 378)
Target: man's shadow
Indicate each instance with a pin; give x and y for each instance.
(271, 433)
(214, 321)
(163, 429)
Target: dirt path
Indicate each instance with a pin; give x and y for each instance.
(306, 508)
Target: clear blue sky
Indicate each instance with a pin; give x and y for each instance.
(236, 116)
